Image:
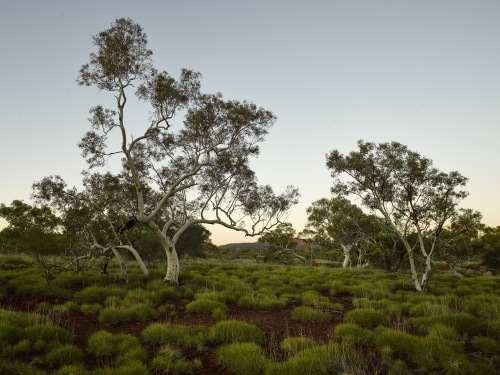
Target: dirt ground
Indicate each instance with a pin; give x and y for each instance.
(276, 325)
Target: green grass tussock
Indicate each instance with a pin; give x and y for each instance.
(235, 331)
(307, 314)
(177, 336)
(366, 318)
(242, 358)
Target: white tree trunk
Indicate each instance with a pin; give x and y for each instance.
(425, 275)
(172, 265)
(347, 256)
(414, 275)
(137, 258)
(122, 264)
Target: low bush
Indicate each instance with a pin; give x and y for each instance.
(97, 294)
(92, 308)
(66, 308)
(293, 345)
(306, 314)
(120, 347)
(486, 345)
(465, 324)
(242, 358)
(204, 306)
(366, 318)
(235, 331)
(168, 360)
(429, 353)
(63, 355)
(183, 337)
(353, 334)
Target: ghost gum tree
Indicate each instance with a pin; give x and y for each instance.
(336, 221)
(411, 195)
(197, 172)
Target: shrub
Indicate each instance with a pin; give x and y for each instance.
(168, 360)
(366, 317)
(313, 298)
(92, 308)
(63, 355)
(429, 353)
(105, 344)
(462, 323)
(486, 345)
(320, 360)
(234, 331)
(132, 368)
(243, 358)
(353, 334)
(97, 294)
(183, 337)
(293, 345)
(66, 308)
(71, 370)
(306, 314)
(205, 306)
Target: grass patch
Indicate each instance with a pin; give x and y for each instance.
(235, 331)
(177, 336)
(353, 334)
(307, 314)
(366, 318)
(293, 345)
(242, 358)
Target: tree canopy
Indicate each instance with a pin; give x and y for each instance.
(188, 162)
(406, 190)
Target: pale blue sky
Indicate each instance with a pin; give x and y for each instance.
(423, 73)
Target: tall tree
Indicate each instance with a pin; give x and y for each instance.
(190, 172)
(409, 193)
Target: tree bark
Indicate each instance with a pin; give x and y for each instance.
(347, 256)
(122, 264)
(137, 258)
(172, 265)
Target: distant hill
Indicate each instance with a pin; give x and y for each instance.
(301, 244)
(245, 246)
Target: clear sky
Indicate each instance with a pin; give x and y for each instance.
(423, 73)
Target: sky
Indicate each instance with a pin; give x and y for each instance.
(422, 73)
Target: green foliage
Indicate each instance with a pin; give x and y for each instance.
(486, 345)
(66, 308)
(366, 318)
(97, 294)
(168, 360)
(352, 334)
(63, 355)
(206, 306)
(293, 345)
(235, 331)
(242, 358)
(178, 336)
(431, 353)
(320, 360)
(462, 323)
(306, 314)
(92, 308)
(137, 313)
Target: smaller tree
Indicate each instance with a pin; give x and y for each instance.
(411, 196)
(33, 231)
(282, 241)
(338, 222)
(491, 249)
